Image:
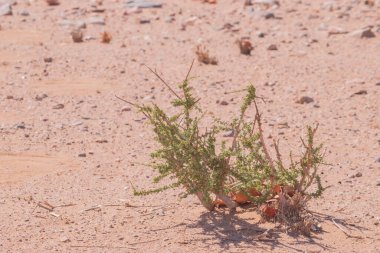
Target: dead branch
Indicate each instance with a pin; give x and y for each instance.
(163, 81)
(135, 243)
(262, 141)
(205, 203)
(92, 208)
(227, 200)
(102, 246)
(66, 205)
(345, 232)
(46, 205)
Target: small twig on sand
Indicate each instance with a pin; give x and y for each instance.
(92, 208)
(46, 205)
(66, 205)
(130, 205)
(50, 207)
(135, 243)
(113, 247)
(345, 232)
(170, 227)
(41, 217)
(34, 209)
(320, 214)
(54, 214)
(264, 236)
(101, 246)
(163, 81)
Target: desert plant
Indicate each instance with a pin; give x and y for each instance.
(211, 168)
(203, 56)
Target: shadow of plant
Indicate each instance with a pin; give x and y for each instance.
(232, 231)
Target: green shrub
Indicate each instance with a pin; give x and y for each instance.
(205, 164)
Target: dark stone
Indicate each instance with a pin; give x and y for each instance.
(305, 100)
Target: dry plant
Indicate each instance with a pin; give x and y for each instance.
(221, 173)
(204, 57)
(245, 46)
(106, 37)
(77, 35)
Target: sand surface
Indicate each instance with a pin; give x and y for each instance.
(66, 140)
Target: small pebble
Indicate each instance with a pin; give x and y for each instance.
(305, 100)
(21, 125)
(64, 239)
(361, 92)
(230, 133)
(143, 4)
(363, 33)
(58, 106)
(48, 59)
(24, 13)
(260, 34)
(245, 46)
(6, 10)
(144, 21)
(52, 2)
(272, 47)
(269, 15)
(82, 155)
(77, 36)
(40, 97)
(96, 21)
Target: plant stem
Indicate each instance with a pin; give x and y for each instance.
(203, 199)
(227, 200)
(267, 155)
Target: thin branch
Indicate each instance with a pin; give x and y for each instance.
(135, 105)
(141, 108)
(135, 243)
(101, 246)
(188, 73)
(345, 232)
(66, 205)
(267, 155)
(278, 154)
(163, 81)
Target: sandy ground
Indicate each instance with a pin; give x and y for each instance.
(65, 138)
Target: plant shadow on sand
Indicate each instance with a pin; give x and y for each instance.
(232, 231)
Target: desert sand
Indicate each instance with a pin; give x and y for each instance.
(69, 149)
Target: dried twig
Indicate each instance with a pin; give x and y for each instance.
(135, 243)
(54, 214)
(204, 57)
(344, 231)
(170, 227)
(66, 205)
(92, 208)
(46, 205)
(126, 101)
(101, 246)
(130, 205)
(261, 132)
(163, 81)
